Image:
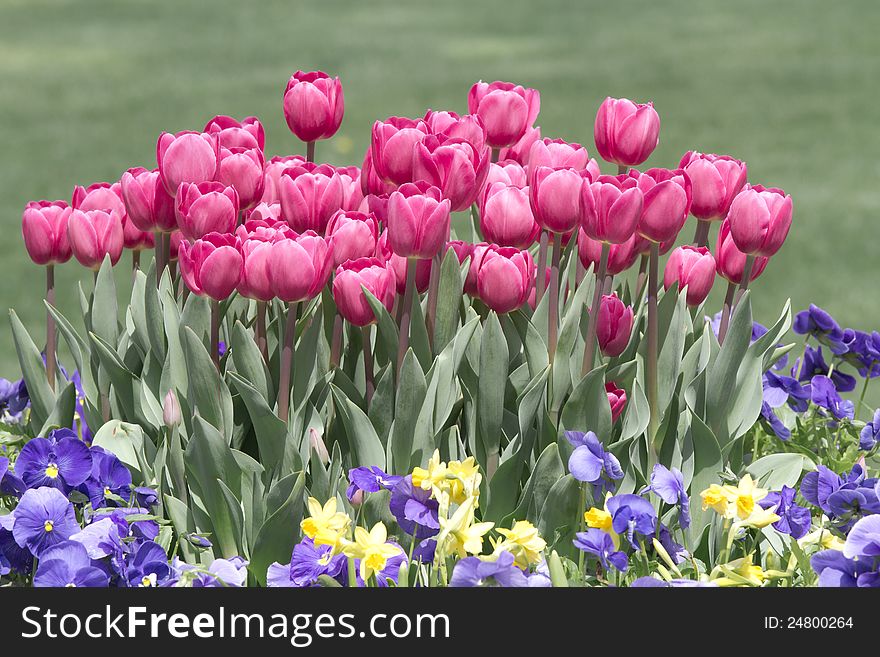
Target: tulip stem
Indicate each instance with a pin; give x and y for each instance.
(609, 283)
(433, 292)
(590, 346)
(287, 360)
(553, 314)
(310, 151)
(260, 331)
(640, 281)
(159, 248)
(51, 332)
(621, 169)
(747, 275)
(336, 346)
(701, 235)
(725, 312)
(215, 333)
(406, 313)
(496, 152)
(135, 261)
(541, 276)
(654, 420)
(370, 386)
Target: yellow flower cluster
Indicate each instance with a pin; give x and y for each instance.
(325, 525)
(457, 480)
(740, 502)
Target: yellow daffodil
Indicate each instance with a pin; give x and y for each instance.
(823, 538)
(372, 548)
(742, 572)
(523, 542)
(460, 534)
(464, 479)
(324, 525)
(717, 498)
(601, 519)
(432, 477)
(760, 518)
(745, 496)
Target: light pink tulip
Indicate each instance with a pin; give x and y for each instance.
(187, 157)
(268, 212)
(148, 204)
(454, 166)
(272, 171)
(692, 267)
(759, 219)
(354, 235)
(211, 266)
(392, 146)
(94, 234)
(207, 207)
(310, 195)
(506, 216)
(504, 278)
(313, 105)
(300, 268)
(242, 169)
(371, 183)
(418, 221)
(626, 133)
(44, 228)
(509, 172)
(557, 154)
(247, 133)
(612, 207)
(715, 181)
(255, 282)
(667, 202)
(375, 275)
(520, 151)
(506, 110)
(352, 195)
(555, 196)
(450, 125)
(398, 265)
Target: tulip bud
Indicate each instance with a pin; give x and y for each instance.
(506, 110)
(612, 207)
(667, 202)
(187, 157)
(614, 325)
(354, 235)
(272, 171)
(454, 166)
(94, 234)
(620, 256)
(147, 202)
(206, 207)
(521, 150)
(170, 410)
(352, 195)
(463, 251)
(392, 147)
(759, 219)
(418, 221)
(730, 261)
(559, 154)
(317, 445)
(506, 216)
(255, 282)
(692, 267)
(211, 266)
(715, 181)
(44, 228)
(626, 133)
(135, 239)
(370, 181)
(450, 125)
(242, 169)
(313, 105)
(247, 133)
(310, 195)
(555, 197)
(299, 268)
(370, 273)
(616, 399)
(504, 278)
(508, 172)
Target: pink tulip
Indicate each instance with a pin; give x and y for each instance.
(759, 219)
(626, 133)
(247, 133)
(616, 399)
(187, 157)
(533, 302)
(299, 268)
(264, 231)
(613, 325)
(392, 146)
(352, 195)
(354, 235)
(520, 151)
(463, 251)
(667, 202)
(310, 195)
(371, 183)
(134, 238)
(176, 238)
(559, 154)
(313, 105)
(272, 171)
(620, 256)
(268, 212)
(398, 265)
(418, 221)
(371, 273)
(504, 278)
(454, 166)
(207, 207)
(509, 172)
(211, 266)
(612, 207)
(506, 216)
(692, 267)
(148, 204)
(715, 181)
(730, 262)
(109, 197)
(242, 169)
(506, 110)
(643, 246)
(376, 205)
(255, 282)
(555, 196)
(44, 228)
(94, 234)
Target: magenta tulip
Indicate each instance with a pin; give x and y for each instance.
(452, 165)
(313, 105)
(715, 181)
(187, 157)
(242, 169)
(310, 195)
(506, 110)
(352, 195)
(450, 125)
(520, 151)
(44, 228)
(268, 212)
(509, 172)
(207, 207)
(506, 216)
(463, 251)
(558, 154)
(759, 219)
(730, 262)
(555, 197)
(109, 197)
(211, 266)
(612, 207)
(616, 399)
(371, 183)
(504, 278)
(255, 282)
(94, 234)
(667, 202)
(134, 238)
(247, 133)
(626, 133)
(272, 171)
(371, 273)
(392, 147)
(299, 268)
(614, 325)
(692, 267)
(354, 235)
(148, 204)
(418, 221)
(620, 256)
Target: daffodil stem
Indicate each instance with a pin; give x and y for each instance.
(215, 333)
(541, 276)
(352, 574)
(260, 336)
(406, 313)
(701, 235)
(590, 346)
(553, 314)
(287, 361)
(725, 312)
(369, 385)
(654, 419)
(51, 331)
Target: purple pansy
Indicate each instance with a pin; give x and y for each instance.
(870, 433)
(64, 464)
(307, 563)
(590, 463)
(43, 518)
(669, 487)
(600, 544)
(824, 394)
(821, 325)
(837, 571)
(109, 478)
(814, 364)
(67, 564)
(631, 514)
(10, 483)
(473, 572)
(370, 480)
(793, 518)
(415, 510)
(148, 567)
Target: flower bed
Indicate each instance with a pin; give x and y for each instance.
(432, 370)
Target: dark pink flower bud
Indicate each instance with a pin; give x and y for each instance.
(44, 228)
(620, 256)
(313, 105)
(418, 221)
(616, 399)
(211, 266)
(506, 110)
(612, 207)
(715, 181)
(255, 282)
(555, 196)
(148, 204)
(504, 278)
(94, 234)
(759, 219)
(242, 169)
(299, 268)
(187, 157)
(730, 261)
(626, 133)
(247, 133)
(667, 202)
(692, 267)
(310, 195)
(373, 274)
(506, 216)
(392, 147)
(207, 207)
(613, 325)
(354, 235)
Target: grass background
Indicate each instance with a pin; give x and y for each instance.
(788, 85)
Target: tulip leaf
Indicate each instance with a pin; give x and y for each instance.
(587, 409)
(700, 447)
(104, 309)
(410, 397)
(278, 534)
(33, 370)
(366, 447)
(62, 413)
(491, 385)
(270, 431)
(557, 522)
(547, 471)
(448, 301)
(671, 352)
(387, 333)
(777, 470)
(249, 362)
(208, 393)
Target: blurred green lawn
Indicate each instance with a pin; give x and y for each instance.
(790, 86)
